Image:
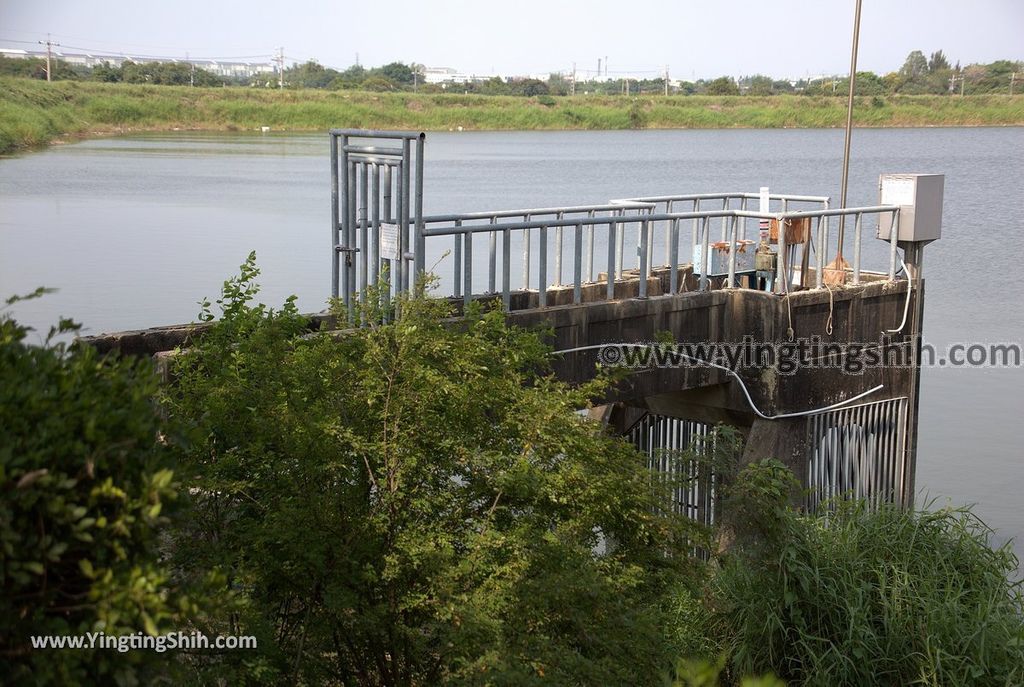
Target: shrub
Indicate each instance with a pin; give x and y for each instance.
(85, 483)
(418, 501)
(872, 597)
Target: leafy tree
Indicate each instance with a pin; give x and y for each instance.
(349, 78)
(379, 84)
(419, 502)
(87, 486)
(915, 66)
(528, 87)
(938, 62)
(397, 72)
(759, 85)
(310, 74)
(723, 85)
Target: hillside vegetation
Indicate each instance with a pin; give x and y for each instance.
(35, 113)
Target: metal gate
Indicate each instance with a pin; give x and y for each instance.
(376, 212)
(675, 450)
(859, 452)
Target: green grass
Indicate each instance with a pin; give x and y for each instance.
(34, 113)
(886, 598)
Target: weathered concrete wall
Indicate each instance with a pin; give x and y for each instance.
(845, 315)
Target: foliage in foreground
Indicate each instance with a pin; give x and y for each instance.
(419, 502)
(84, 480)
(868, 598)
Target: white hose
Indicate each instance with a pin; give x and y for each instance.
(743, 386)
(906, 305)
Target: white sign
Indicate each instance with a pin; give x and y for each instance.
(897, 190)
(389, 241)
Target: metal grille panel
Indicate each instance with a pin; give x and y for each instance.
(670, 444)
(858, 452)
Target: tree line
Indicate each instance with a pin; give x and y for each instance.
(918, 75)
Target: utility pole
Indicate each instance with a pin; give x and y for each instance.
(192, 72)
(598, 67)
(280, 67)
(1013, 77)
(666, 79)
(574, 80)
(606, 65)
(49, 49)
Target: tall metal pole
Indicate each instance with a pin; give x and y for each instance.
(849, 128)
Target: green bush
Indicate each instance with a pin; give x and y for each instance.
(856, 597)
(84, 480)
(419, 502)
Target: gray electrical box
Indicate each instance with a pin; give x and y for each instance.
(920, 199)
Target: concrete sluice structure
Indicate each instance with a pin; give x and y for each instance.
(815, 361)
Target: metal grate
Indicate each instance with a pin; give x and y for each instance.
(858, 452)
(674, 448)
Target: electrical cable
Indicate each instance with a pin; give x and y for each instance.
(743, 387)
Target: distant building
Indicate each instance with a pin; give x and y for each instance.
(219, 67)
(447, 75)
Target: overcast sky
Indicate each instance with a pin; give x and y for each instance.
(792, 38)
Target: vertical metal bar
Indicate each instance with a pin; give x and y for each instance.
(388, 262)
(743, 220)
(857, 229)
(673, 256)
(467, 273)
(420, 244)
(400, 211)
(526, 255)
(694, 229)
(782, 278)
(819, 271)
(558, 251)
(364, 257)
(725, 220)
(824, 240)
(492, 259)
(388, 187)
(650, 241)
(375, 228)
(589, 269)
(668, 233)
(506, 269)
(731, 283)
(457, 263)
(893, 237)
(644, 245)
(705, 258)
(408, 282)
(542, 269)
(349, 241)
(335, 267)
(577, 265)
(610, 289)
(619, 245)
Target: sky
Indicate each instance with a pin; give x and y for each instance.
(638, 38)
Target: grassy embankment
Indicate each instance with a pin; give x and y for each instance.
(34, 113)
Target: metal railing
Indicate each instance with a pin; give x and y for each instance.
(380, 235)
(639, 217)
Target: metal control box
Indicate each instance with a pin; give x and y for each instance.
(920, 199)
(718, 258)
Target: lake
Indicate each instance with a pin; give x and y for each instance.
(134, 231)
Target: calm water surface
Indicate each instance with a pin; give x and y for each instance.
(134, 231)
